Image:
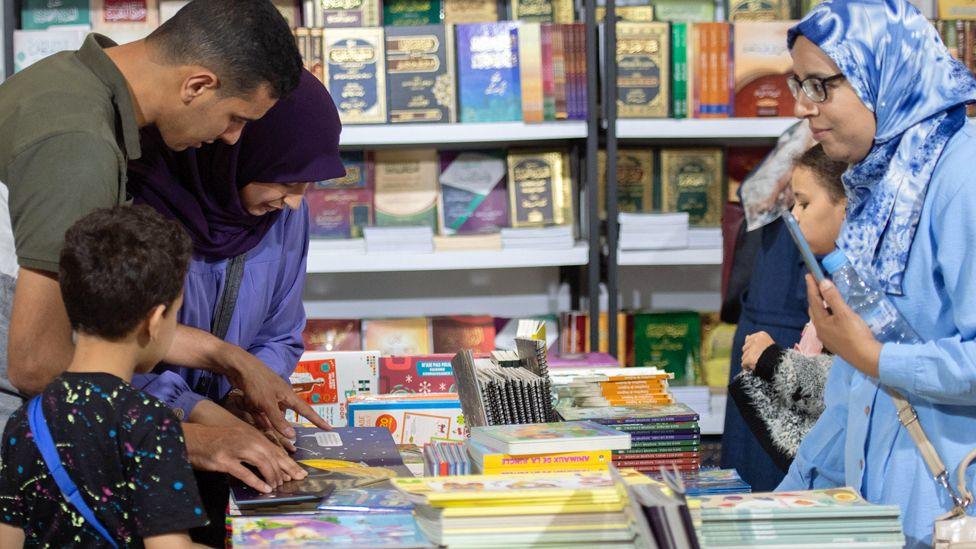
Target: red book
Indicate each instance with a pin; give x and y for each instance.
(332, 335)
(453, 334)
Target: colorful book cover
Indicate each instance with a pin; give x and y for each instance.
(537, 438)
(416, 374)
(691, 181)
(406, 187)
(829, 503)
(366, 500)
(635, 181)
(764, 10)
(355, 73)
(684, 10)
(643, 70)
(387, 531)
(762, 65)
(548, 73)
(420, 74)
(488, 72)
(402, 336)
(662, 413)
(340, 213)
(322, 334)
(326, 380)
(349, 13)
(453, 334)
(679, 70)
(411, 420)
(714, 92)
(540, 188)
(668, 341)
(470, 11)
(411, 13)
(41, 14)
(359, 172)
(530, 67)
(491, 462)
(543, 11)
(473, 196)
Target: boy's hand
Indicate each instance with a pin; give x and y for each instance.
(226, 448)
(753, 349)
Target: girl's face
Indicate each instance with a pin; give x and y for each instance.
(842, 123)
(263, 198)
(819, 216)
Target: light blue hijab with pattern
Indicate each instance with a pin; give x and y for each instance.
(901, 70)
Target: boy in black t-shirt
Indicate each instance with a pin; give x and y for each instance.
(121, 276)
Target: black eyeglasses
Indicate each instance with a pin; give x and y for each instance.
(814, 88)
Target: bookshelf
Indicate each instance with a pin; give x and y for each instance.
(322, 260)
(382, 135)
(703, 128)
(650, 258)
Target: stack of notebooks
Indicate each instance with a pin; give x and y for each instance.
(659, 231)
(399, 239)
(663, 435)
(835, 518)
(601, 390)
(443, 459)
(559, 509)
(544, 448)
(557, 237)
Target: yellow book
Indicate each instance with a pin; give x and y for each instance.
(692, 181)
(470, 11)
(491, 462)
(530, 68)
(355, 73)
(536, 509)
(643, 70)
(540, 188)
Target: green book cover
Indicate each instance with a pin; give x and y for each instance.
(679, 70)
(411, 13)
(671, 426)
(698, 11)
(668, 341)
(41, 14)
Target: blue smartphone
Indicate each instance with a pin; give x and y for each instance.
(801, 244)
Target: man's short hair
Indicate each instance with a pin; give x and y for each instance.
(246, 43)
(117, 264)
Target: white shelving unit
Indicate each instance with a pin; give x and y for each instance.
(502, 133)
(321, 260)
(648, 258)
(703, 128)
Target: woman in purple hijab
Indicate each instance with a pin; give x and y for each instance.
(243, 207)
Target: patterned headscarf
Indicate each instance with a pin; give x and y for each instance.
(901, 71)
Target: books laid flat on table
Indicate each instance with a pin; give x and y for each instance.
(836, 517)
(490, 462)
(388, 531)
(538, 438)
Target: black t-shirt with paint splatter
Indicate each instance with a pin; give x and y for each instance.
(124, 451)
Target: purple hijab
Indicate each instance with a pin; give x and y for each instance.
(297, 141)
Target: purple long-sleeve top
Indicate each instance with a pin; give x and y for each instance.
(268, 319)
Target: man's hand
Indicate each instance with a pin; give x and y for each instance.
(753, 349)
(840, 329)
(226, 449)
(265, 392)
(235, 404)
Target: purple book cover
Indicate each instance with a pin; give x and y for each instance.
(634, 437)
(473, 197)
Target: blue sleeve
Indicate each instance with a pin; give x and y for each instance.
(819, 461)
(171, 389)
(279, 341)
(943, 371)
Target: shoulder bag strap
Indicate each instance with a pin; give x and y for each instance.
(44, 442)
(223, 312)
(909, 418)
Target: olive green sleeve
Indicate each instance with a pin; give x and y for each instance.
(53, 184)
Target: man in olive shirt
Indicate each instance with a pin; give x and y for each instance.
(68, 126)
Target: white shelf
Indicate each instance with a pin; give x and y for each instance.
(321, 260)
(433, 134)
(690, 256)
(703, 128)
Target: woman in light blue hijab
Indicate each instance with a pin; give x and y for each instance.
(880, 90)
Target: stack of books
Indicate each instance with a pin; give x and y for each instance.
(442, 459)
(661, 231)
(664, 435)
(559, 509)
(558, 237)
(705, 237)
(399, 239)
(837, 517)
(644, 386)
(545, 447)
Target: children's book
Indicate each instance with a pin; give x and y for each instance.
(539, 438)
(366, 500)
(393, 530)
(829, 503)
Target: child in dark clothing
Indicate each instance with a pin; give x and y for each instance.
(785, 387)
(121, 276)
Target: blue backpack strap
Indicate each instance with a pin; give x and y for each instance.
(44, 442)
